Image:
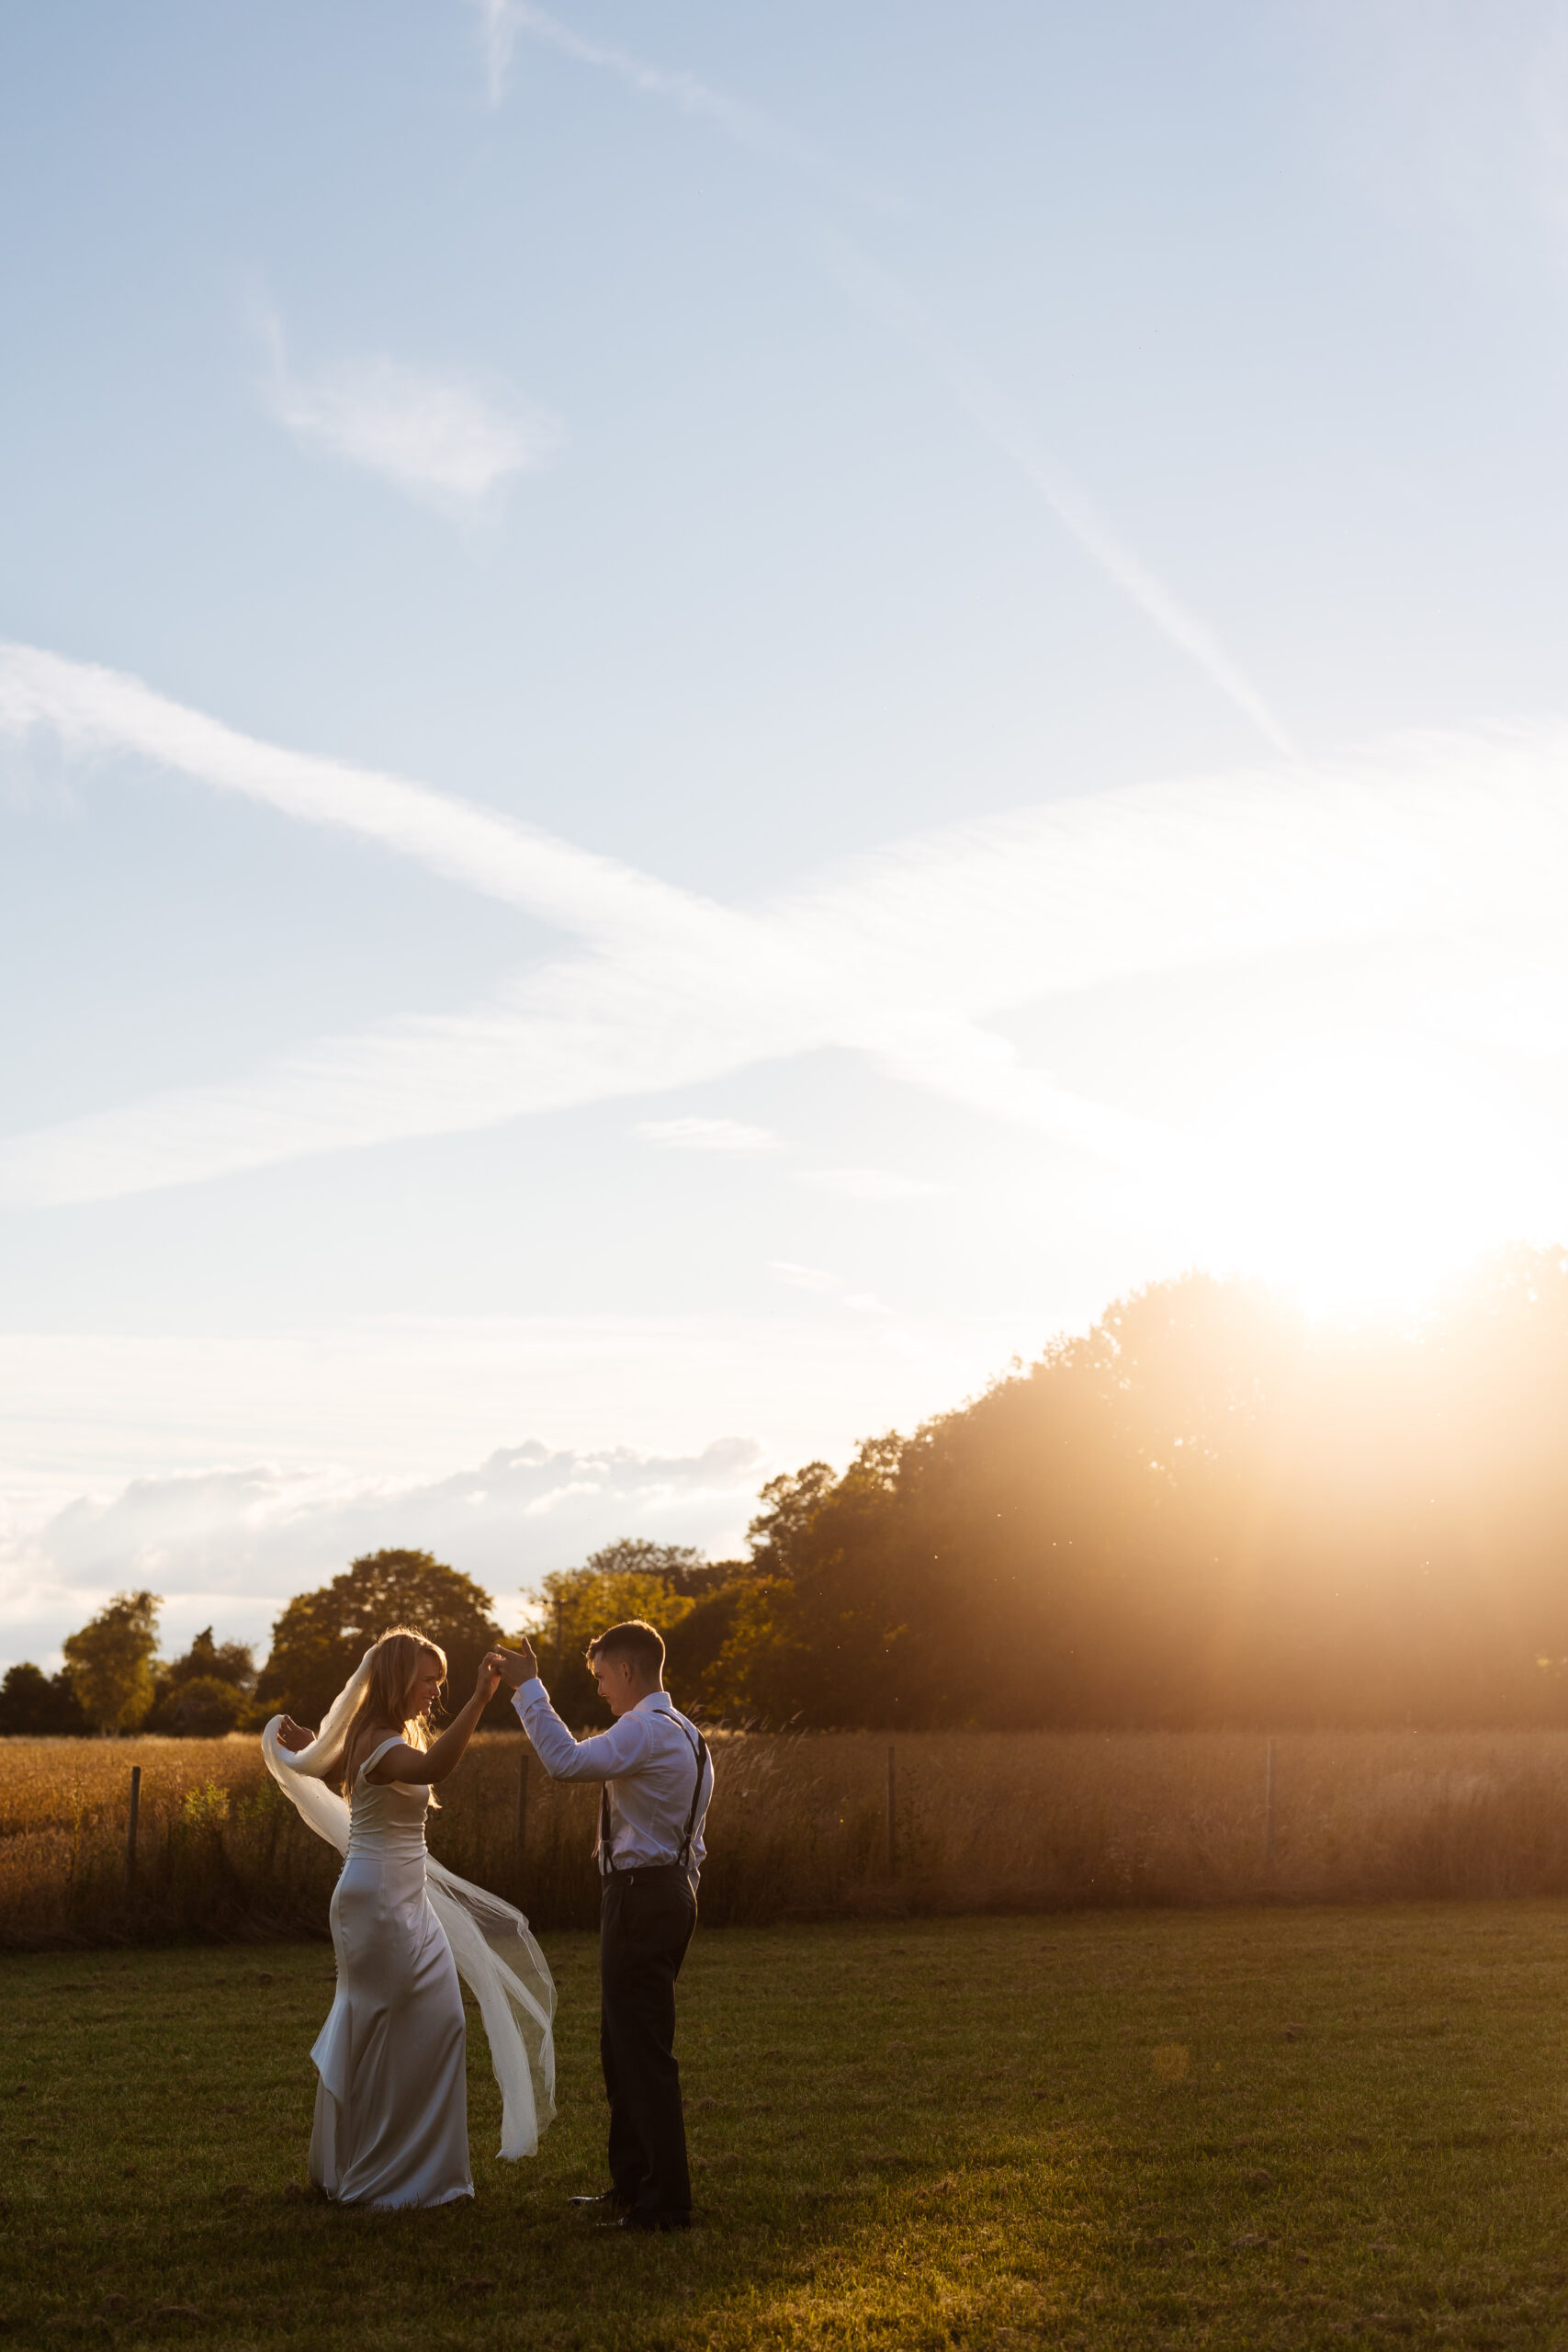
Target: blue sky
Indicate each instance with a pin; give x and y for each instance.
(706, 714)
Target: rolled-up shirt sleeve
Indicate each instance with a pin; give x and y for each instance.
(607, 1754)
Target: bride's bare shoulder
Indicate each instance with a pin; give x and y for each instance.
(366, 1741)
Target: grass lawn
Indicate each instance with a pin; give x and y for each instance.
(1229, 2128)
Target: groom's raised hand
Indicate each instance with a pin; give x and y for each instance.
(514, 1666)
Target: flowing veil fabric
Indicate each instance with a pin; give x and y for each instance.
(496, 1956)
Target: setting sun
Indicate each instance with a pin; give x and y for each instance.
(1364, 1170)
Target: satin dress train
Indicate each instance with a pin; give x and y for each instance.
(392, 2125)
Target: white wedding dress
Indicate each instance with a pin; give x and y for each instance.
(391, 2095)
(392, 2099)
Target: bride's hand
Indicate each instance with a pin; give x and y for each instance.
(293, 1735)
(486, 1682)
(516, 1667)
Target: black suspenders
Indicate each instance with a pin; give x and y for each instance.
(699, 1749)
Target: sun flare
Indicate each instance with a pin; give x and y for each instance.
(1362, 1170)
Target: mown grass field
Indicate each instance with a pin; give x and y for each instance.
(1229, 2128)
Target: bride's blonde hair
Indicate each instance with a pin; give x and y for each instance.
(393, 1666)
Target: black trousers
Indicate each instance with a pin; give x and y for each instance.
(646, 1921)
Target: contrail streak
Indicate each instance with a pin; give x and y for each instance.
(94, 710)
(981, 400)
(1000, 422)
(686, 92)
(903, 958)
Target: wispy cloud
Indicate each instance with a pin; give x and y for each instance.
(1455, 109)
(498, 34)
(999, 419)
(706, 1135)
(441, 438)
(811, 1278)
(868, 1185)
(903, 957)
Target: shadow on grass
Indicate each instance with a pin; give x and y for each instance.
(157, 2193)
(892, 2252)
(1229, 2130)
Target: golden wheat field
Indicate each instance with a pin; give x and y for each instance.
(799, 1827)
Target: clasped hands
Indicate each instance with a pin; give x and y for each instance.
(512, 1667)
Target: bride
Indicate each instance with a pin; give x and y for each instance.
(391, 2099)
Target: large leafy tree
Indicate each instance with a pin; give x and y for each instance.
(110, 1661)
(321, 1636)
(629, 1578)
(692, 1601)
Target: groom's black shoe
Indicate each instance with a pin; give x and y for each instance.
(606, 2200)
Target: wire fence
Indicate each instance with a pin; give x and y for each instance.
(816, 1826)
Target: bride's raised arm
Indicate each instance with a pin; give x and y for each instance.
(433, 1763)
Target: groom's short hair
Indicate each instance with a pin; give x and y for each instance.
(636, 1640)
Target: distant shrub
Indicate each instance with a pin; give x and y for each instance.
(201, 1708)
(207, 1692)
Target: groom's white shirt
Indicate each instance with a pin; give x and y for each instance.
(648, 1757)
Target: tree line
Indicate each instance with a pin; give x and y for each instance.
(113, 1680)
(1207, 1510)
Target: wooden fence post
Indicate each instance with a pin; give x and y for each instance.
(891, 1821)
(1269, 1804)
(522, 1804)
(131, 1832)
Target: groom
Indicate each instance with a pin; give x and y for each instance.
(658, 1778)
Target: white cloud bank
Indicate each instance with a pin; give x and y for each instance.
(438, 437)
(229, 1472)
(229, 1547)
(393, 1401)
